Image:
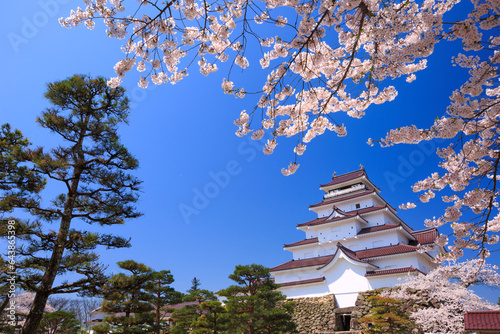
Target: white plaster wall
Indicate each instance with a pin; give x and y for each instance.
(367, 241)
(313, 290)
(346, 299)
(337, 231)
(344, 277)
(385, 281)
(350, 205)
(397, 261)
(378, 218)
(296, 275)
(300, 253)
(426, 264)
(387, 238)
(402, 238)
(323, 212)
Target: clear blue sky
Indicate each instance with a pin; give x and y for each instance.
(184, 134)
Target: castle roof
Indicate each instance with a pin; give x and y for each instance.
(310, 262)
(427, 236)
(303, 242)
(482, 320)
(345, 215)
(342, 198)
(360, 256)
(345, 178)
(385, 251)
(378, 228)
(393, 271)
(304, 281)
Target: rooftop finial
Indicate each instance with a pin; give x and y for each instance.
(333, 176)
(361, 166)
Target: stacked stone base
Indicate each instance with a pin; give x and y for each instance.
(315, 315)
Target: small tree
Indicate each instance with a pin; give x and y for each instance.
(252, 304)
(186, 318)
(59, 322)
(162, 295)
(212, 320)
(195, 284)
(127, 301)
(386, 316)
(91, 166)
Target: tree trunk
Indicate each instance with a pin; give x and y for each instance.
(43, 291)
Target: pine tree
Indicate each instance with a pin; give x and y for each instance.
(386, 316)
(213, 318)
(162, 295)
(126, 299)
(195, 285)
(187, 317)
(91, 165)
(252, 305)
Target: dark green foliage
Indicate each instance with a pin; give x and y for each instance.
(252, 304)
(126, 299)
(90, 166)
(59, 322)
(195, 284)
(162, 294)
(213, 319)
(386, 316)
(187, 317)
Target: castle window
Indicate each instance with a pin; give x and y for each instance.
(358, 205)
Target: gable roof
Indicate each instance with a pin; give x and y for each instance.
(475, 320)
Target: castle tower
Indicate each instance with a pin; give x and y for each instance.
(357, 243)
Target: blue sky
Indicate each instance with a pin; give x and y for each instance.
(183, 136)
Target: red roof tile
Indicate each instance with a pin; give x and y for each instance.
(475, 320)
(391, 271)
(384, 251)
(347, 215)
(427, 236)
(305, 281)
(378, 228)
(345, 177)
(303, 242)
(361, 256)
(313, 261)
(342, 198)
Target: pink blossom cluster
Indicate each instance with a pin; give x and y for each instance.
(333, 58)
(24, 301)
(470, 163)
(448, 286)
